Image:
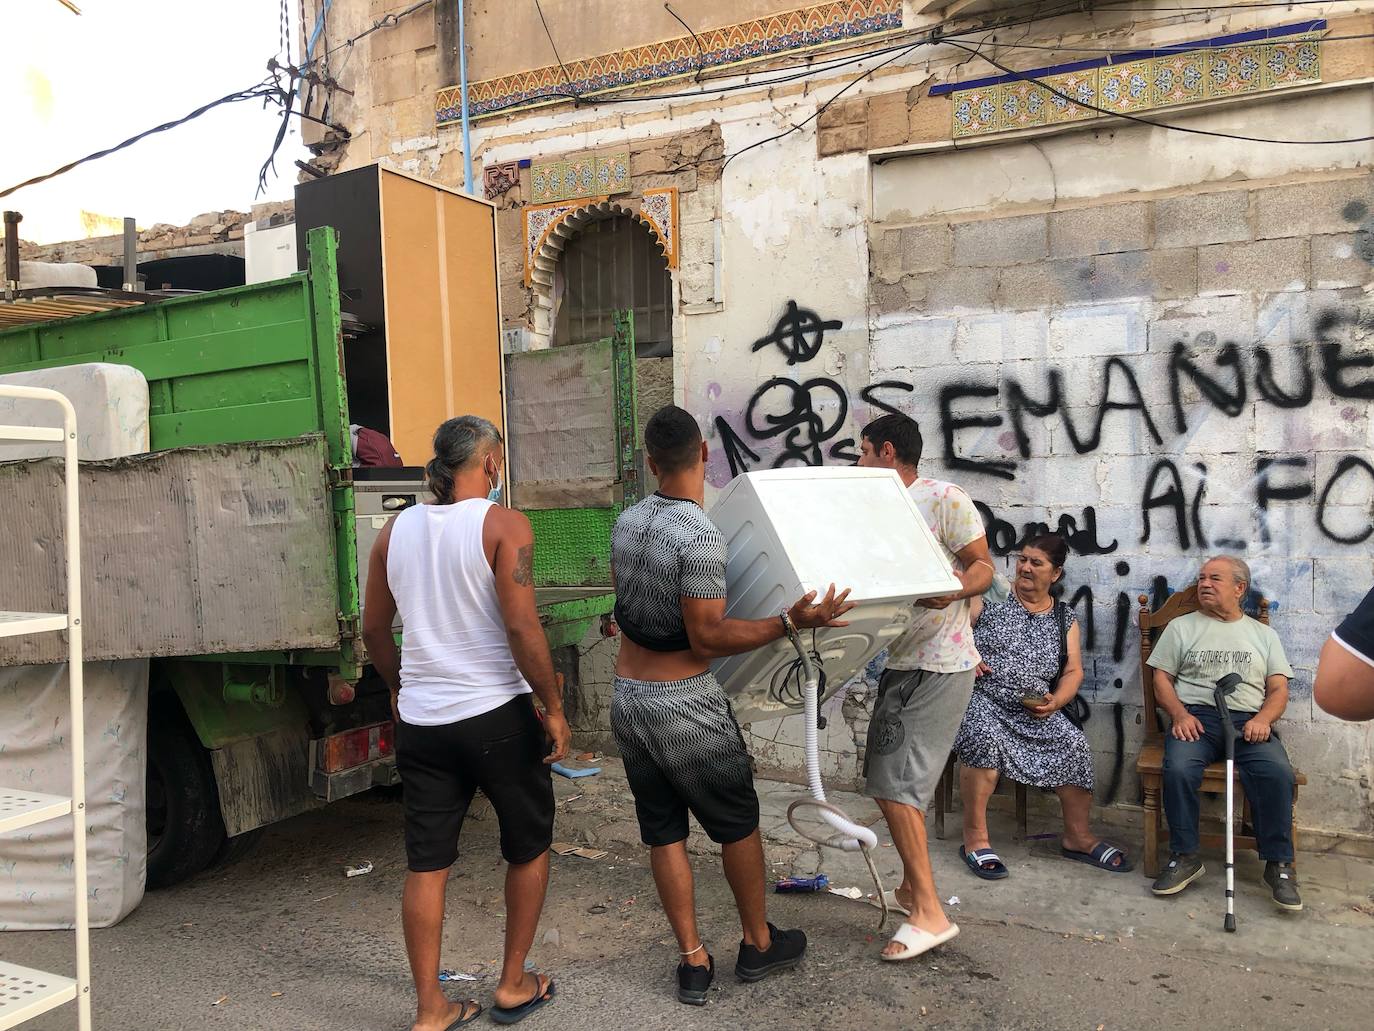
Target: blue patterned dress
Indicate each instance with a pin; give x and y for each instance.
(998, 732)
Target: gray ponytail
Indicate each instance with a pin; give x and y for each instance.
(457, 444)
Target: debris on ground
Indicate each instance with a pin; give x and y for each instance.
(587, 757)
(220, 1001)
(572, 774)
(953, 900)
(326, 898)
(361, 870)
(797, 885)
(849, 893)
(567, 848)
(455, 975)
(552, 937)
(596, 910)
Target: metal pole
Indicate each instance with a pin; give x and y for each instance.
(130, 255)
(12, 220)
(75, 684)
(463, 87)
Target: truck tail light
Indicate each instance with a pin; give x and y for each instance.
(355, 747)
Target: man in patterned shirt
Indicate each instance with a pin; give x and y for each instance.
(925, 688)
(682, 748)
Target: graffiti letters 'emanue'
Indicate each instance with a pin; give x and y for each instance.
(788, 422)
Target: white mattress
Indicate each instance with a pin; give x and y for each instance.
(36, 883)
(111, 403)
(35, 752)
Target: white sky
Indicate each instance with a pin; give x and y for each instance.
(85, 83)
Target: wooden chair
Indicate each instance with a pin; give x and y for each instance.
(1150, 765)
(944, 801)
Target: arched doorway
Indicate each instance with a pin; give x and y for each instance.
(613, 262)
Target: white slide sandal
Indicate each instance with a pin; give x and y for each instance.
(915, 941)
(893, 906)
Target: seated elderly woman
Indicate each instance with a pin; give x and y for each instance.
(1014, 725)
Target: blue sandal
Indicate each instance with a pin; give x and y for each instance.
(985, 863)
(1102, 857)
(515, 1014)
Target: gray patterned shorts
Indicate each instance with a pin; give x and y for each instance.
(684, 752)
(915, 720)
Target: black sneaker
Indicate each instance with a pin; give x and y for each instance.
(784, 951)
(694, 982)
(1182, 870)
(1284, 881)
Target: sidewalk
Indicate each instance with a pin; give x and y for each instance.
(1045, 891)
(282, 939)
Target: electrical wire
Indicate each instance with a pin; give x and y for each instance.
(381, 23)
(267, 90)
(1164, 51)
(819, 111)
(701, 57)
(788, 683)
(1146, 121)
(566, 77)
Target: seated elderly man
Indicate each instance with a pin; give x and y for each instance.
(1194, 652)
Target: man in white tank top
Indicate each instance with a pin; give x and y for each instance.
(460, 573)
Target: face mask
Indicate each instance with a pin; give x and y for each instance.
(494, 495)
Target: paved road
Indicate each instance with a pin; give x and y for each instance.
(288, 943)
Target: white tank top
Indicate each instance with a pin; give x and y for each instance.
(456, 662)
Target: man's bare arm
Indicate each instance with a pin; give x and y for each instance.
(976, 575)
(379, 613)
(1344, 686)
(715, 636)
(514, 571)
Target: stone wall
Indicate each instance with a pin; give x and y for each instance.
(1161, 378)
(218, 232)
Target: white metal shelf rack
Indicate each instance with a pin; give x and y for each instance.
(25, 993)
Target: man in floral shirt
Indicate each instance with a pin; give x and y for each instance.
(926, 686)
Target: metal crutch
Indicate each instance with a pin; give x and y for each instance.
(1225, 686)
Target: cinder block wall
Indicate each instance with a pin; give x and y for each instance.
(1163, 377)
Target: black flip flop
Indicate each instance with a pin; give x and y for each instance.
(974, 861)
(469, 1018)
(1101, 857)
(515, 1014)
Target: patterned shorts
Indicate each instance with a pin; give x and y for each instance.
(684, 752)
(915, 719)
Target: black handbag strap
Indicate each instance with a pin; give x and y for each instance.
(1077, 710)
(1061, 618)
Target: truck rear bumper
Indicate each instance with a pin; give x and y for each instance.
(352, 761)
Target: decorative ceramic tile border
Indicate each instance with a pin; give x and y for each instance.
(816, 26)
(657, 209)
(592, 174)
(1227, 66)
(541, 220)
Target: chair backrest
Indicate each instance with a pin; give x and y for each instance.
(1152, 624)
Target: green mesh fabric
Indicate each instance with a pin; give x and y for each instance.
(572, 546)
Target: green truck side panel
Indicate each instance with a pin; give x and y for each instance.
(200, 688)
(572, 546)
(567, 622)
(264, 362)
(258, 362)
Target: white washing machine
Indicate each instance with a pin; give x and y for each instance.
(789, 531)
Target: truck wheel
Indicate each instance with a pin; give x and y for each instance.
(236, 848)
(185, 830)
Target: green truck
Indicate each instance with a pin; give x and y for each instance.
(229, 556)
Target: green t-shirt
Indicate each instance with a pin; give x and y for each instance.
(1199, 650)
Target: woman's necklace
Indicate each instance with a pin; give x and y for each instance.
(1049, 604)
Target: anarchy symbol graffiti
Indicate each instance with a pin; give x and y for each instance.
(798, 334)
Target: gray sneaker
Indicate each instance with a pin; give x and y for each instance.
(1182, 870)
(1284, 882)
